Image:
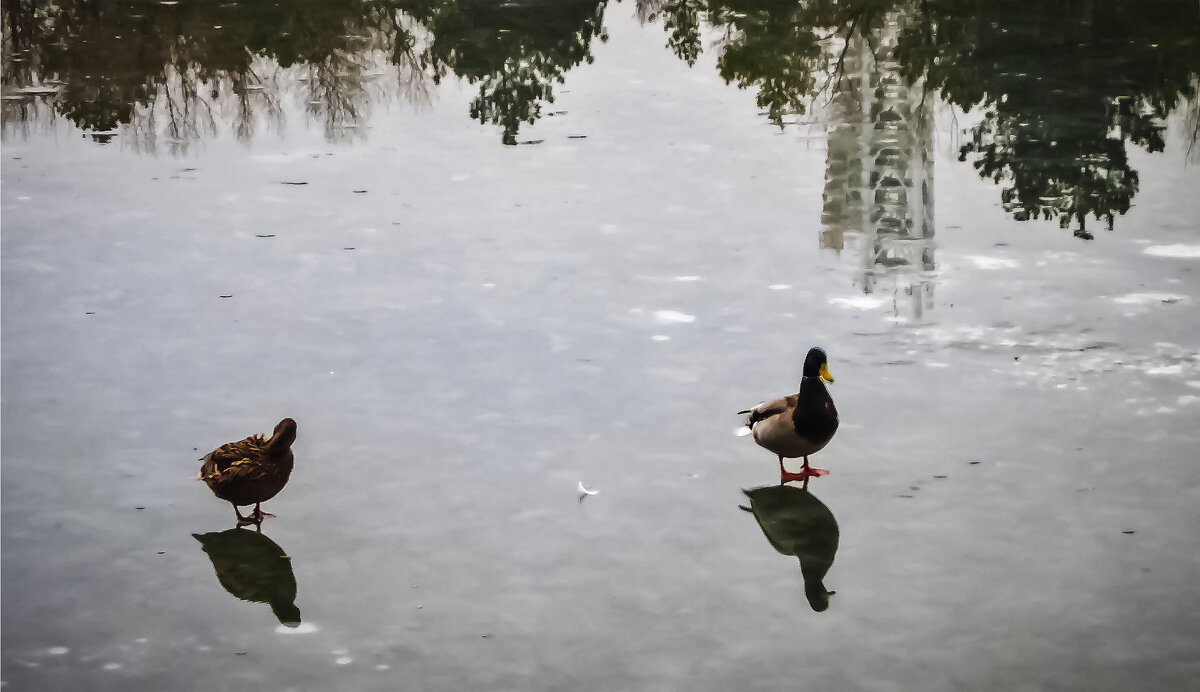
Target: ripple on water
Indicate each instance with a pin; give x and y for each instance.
(985, 262)
(860, 302)
(302, 628)
(1178, 251)
(1148, 298)
(673, 317)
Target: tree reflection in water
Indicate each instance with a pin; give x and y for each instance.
(176, 70)
(1063, 88)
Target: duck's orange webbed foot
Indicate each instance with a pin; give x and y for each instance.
(804, 474)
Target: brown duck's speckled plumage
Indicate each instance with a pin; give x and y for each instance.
(253, 470)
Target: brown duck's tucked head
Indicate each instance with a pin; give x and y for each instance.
(285, 433)
(816, 364)
(287, 612)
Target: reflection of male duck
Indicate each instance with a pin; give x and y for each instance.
(796, 523)
(254, 568)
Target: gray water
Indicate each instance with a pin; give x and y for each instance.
(466, 332)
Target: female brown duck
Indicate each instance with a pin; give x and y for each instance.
(252, 471)
(800, 424)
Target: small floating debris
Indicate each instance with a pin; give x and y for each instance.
(973, 463)
(1128, 533)
(264, 235)
(941, 476)
(90, 312)
(293, 182)
(532, 141)
(226, 296)
(347, 248)
(585, 491)
(359, 192)
(576, 136)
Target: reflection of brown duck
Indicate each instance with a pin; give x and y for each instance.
(254, 568)
(800, 424)
(796, 523)
(251, 471)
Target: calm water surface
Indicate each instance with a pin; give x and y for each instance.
(489, 253)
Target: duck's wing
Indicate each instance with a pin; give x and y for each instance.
(771, 408)
(232, 454)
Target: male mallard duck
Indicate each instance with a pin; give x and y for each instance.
(800, 424)
(252, 471)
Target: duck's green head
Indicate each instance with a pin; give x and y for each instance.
(817, 364)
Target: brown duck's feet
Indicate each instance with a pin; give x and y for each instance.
(256, 517)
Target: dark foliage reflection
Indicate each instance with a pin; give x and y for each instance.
(797, 523)
(254, 568)
(109, 63)
(1060, 89)
(1062, 86)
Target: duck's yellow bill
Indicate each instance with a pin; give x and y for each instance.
(825, 373)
